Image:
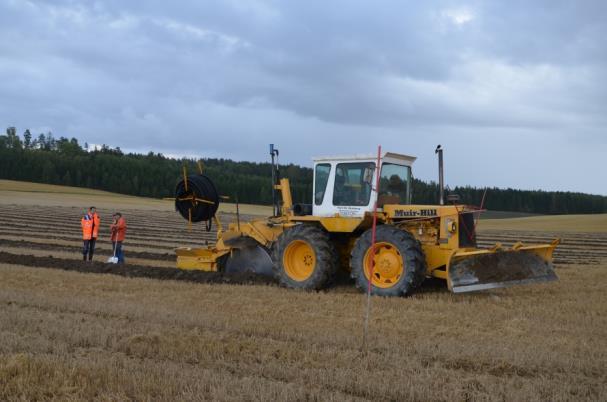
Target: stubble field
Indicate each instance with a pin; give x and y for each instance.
(70, 331)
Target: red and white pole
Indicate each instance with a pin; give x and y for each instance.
(374, 228)
(372, 253)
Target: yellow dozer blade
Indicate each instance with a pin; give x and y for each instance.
(471, 271)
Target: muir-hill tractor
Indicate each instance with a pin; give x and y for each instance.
(304, 246)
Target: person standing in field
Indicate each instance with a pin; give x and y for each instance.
(118, 230)
(87, 234)
(95, 232)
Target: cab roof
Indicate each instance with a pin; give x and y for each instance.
(389, 157)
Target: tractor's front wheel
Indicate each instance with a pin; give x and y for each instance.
(396, 266)
(304, 258)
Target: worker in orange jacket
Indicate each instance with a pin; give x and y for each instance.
(87, 234)
(118, 231)
(95, 233)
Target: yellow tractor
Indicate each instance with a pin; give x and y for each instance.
(305, 245)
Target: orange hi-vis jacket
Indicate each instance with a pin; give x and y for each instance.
(118, 230)
(96, 223)
(87, 227)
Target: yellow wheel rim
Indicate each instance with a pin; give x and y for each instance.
(389, 266)
(299, 260)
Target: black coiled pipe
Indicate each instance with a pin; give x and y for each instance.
(201, 187)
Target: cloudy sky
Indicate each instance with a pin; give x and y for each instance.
(515, 91)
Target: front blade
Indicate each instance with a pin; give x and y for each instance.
(250, 259)
(498, 269)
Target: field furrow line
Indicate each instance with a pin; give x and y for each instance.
(132, 270)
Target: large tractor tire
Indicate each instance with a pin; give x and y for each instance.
(400, 265)
(304, 258)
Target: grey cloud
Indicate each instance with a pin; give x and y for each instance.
(226, 77)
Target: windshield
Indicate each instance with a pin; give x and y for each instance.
(353, 184)
(394, 184)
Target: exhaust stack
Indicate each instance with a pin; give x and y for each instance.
(441, 182)
(275, 179)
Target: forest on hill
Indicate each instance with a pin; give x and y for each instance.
(45, 159)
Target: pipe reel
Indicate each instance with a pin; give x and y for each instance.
(196, 198)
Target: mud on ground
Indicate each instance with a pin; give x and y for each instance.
(133, 271)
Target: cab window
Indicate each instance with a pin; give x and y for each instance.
(353, 184)
(394, 184)
(321, 177)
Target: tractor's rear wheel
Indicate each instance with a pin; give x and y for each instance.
(396, 267)
(304, 258)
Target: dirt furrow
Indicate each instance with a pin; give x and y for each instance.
(195, 238)
(102, 250)
(144, 218)
(140, 246)
(569, 241)
(133, 271)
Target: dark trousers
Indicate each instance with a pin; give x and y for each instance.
(88, 249)
(119, 252)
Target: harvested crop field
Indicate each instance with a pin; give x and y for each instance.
(74, 330)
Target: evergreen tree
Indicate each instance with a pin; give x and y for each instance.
(27, 139)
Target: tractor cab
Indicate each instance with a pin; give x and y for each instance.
(343, 185)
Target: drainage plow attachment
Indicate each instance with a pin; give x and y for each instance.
(471, 271)
(247, 255)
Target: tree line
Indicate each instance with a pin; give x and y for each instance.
(46, 159)
(513, 200)
(64, 161)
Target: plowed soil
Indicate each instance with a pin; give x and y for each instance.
(153, 235)
(132, 271)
